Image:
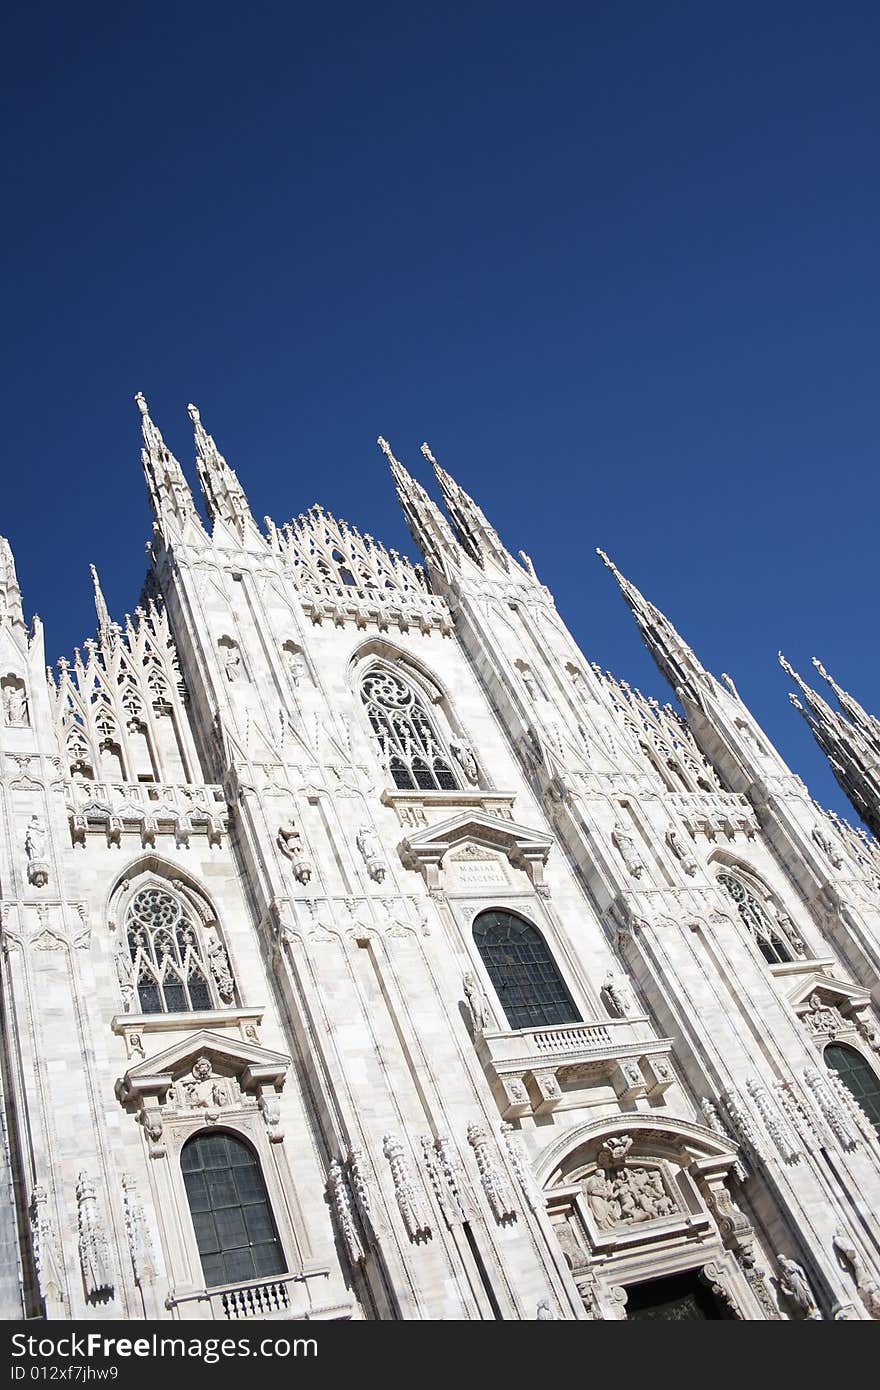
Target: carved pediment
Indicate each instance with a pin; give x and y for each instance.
(252, 1066)
(470, 835)
(847, 998)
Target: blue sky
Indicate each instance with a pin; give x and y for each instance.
(616, 263)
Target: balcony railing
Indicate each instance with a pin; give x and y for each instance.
(256, 1298)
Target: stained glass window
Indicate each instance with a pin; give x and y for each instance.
(169, 972)
(766, 932)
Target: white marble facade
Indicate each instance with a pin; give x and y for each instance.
(252, 834)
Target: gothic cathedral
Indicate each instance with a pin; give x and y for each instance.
(368, 953)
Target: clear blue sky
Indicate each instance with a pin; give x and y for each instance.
(617, 263)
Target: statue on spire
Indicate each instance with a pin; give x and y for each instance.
(223, 493)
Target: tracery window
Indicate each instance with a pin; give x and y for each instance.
(171, 968)
(523, 972)
(230, 1209)
(410, 744)
(773, 947)
(859, 1078)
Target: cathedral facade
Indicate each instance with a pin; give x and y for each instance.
(368, 953)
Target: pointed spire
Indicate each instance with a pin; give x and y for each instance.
(428, 527)
(675, 659)
(224, 496)
(850, 705)
(851, 745)
(10, 594)
(100, 603)
(169, 491)
(479, 539)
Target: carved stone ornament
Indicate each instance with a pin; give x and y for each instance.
(15, 712)
(495, 1184)
(409, 1199)
(343, 1210)
(628, 1194)
(94, 1251)
(823, 1018)
(219, 965)
(47, 1257)
(140, 1244)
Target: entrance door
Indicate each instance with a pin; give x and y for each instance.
(676, 1297)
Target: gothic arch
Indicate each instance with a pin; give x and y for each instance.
(170, 952)
(770, 926)
(432, 752)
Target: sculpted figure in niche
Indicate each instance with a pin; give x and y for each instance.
(603, 1204)
(290, 843)
(617, 992)
(626, 848)
(794, 1284)
(35, 849)
(296, 665)
(15, 706)
(682, 853)
(368, 843)
(465, 758)
(219, 963)
(476, 1002)
(233, 664)
(827, 846)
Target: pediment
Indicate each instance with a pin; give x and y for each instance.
(252, 1065)
(523, 847)
(836, 993)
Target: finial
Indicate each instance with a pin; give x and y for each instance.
(429, 456)
(606, 561)
(192, 412)
(386, 449)
(821, 669)
(100, 603)
(141, 403)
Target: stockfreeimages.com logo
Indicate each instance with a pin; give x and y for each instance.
(95, 1345)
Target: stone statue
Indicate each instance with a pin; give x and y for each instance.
(794, 1284)
(467, 762)
(627, 850)
(617, 992)
(219, 963)
(600, 1195)
(290, 843)
(823, 1018)
(367, 842)
(15, 706)
(296, 666)
(35, 849)
(827, 846)
(682, 853)
(233, 664)
(476, 1002)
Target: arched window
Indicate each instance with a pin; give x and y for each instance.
(766, 932)
(523, 971)
(409, 742)
(858, 1076)
(230, 1209)
(176, 966)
